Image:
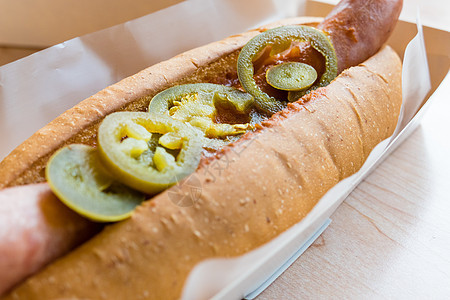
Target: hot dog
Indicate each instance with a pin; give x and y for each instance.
(253, 219)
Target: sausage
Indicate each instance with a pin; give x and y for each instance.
(35, 228)
(358, 28)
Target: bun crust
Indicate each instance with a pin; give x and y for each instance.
(272, 179)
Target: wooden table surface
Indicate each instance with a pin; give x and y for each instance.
(390, 239)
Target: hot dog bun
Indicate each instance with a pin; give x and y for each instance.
(273, 178)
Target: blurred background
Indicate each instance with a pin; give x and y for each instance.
(27, 26)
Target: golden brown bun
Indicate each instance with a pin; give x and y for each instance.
(273, 178)
(26, 163)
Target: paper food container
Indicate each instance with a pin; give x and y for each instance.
(40, 87)
(43, 23)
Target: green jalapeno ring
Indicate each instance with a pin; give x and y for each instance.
(135, 165)
(291, 76)
(278, 37)
(77, 178)
(163, 101)
(206, 98)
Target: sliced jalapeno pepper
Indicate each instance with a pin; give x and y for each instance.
(78, 179)
(146, 151)
(198, 104)
(291, 76)
(279, 39)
